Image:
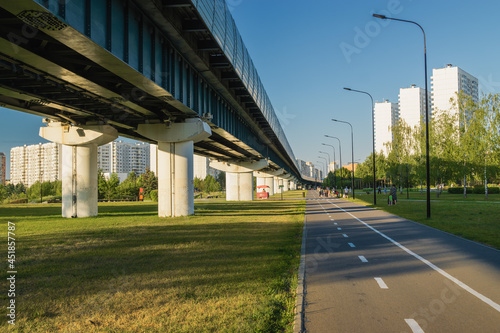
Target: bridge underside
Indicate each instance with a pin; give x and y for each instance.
(47, 68)
(146, 70)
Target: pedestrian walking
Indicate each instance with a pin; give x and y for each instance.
(394, 194)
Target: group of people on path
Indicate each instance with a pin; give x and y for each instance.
(333, 192)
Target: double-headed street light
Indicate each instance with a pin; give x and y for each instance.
(340, 153)
(329, 160)
(352, 153)
(373, 138)
(324, 159)
(322, 166)
(334, 171)
(427, 167)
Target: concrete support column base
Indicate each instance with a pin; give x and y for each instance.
(175, 179)
(239, 186)
(79, 181)
(277, 183)
(79, 164)
(175, 163)
(285, 185)
(269, 181)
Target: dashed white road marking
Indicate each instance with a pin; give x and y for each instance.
(450, 277)
(415, 328)
(339, 228)
(351, 245)
(362, 258)
(345, 235)
(381, 283)
(335, 223)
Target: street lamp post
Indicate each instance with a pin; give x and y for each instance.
(340, 153)
(325, 161)
(322, 166)
(352, 153)
(427, 165)
(329, 160)
(373, 139)
(334, 171)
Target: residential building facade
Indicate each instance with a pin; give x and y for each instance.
(412, 105)
(41, 162)
(123, 157)
(385, 116)
(447, 82)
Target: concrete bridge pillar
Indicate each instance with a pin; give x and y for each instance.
(239, 178)
(175, 163)
(79, 164)
(285, 185)
(265, 179)
(277, 183)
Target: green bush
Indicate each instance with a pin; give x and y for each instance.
(459, 190)
(491, 190)
(154, 195)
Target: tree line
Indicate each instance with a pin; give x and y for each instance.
(464, 148)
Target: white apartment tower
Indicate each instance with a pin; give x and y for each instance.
(447, 82)
(385, 115)
(41, 162)
(412, 105)
(123, 157)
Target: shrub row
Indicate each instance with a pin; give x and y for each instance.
(474, 190)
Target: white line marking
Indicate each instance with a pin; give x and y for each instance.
(362, 258)
(415, 328)
(351, 245)
(345, 235)
(339, 228)
(332, 220)
(483, 298)
(335, 223)
(381, 283)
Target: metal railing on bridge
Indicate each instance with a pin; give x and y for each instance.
(220, 22)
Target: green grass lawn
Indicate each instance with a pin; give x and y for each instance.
(474, 218)
(231, 267)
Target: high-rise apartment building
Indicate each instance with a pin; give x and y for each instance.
(385, 115)
(303, 168)
(412, 105)
(41, 162)
(123, 157)
(2, 168)
(447, 82)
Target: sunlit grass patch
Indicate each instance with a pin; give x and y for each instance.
(231, 267)
(474, 218)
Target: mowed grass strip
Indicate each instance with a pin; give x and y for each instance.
(231, 267)
(474, 218)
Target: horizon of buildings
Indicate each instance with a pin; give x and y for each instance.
(446, 82)
(43, 161)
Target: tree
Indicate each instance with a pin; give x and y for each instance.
(110, 186)
(329, 181)
(198, 184)
(129, 188)
(211, 185)
(148, 182)
(221, 179)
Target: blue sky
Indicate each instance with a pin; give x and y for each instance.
(306, 52)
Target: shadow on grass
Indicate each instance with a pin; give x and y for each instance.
(74, 268)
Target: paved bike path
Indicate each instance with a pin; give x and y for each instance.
(370, 271)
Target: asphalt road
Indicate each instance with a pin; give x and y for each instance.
(370, 271)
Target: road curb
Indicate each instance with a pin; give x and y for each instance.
(298, 326)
